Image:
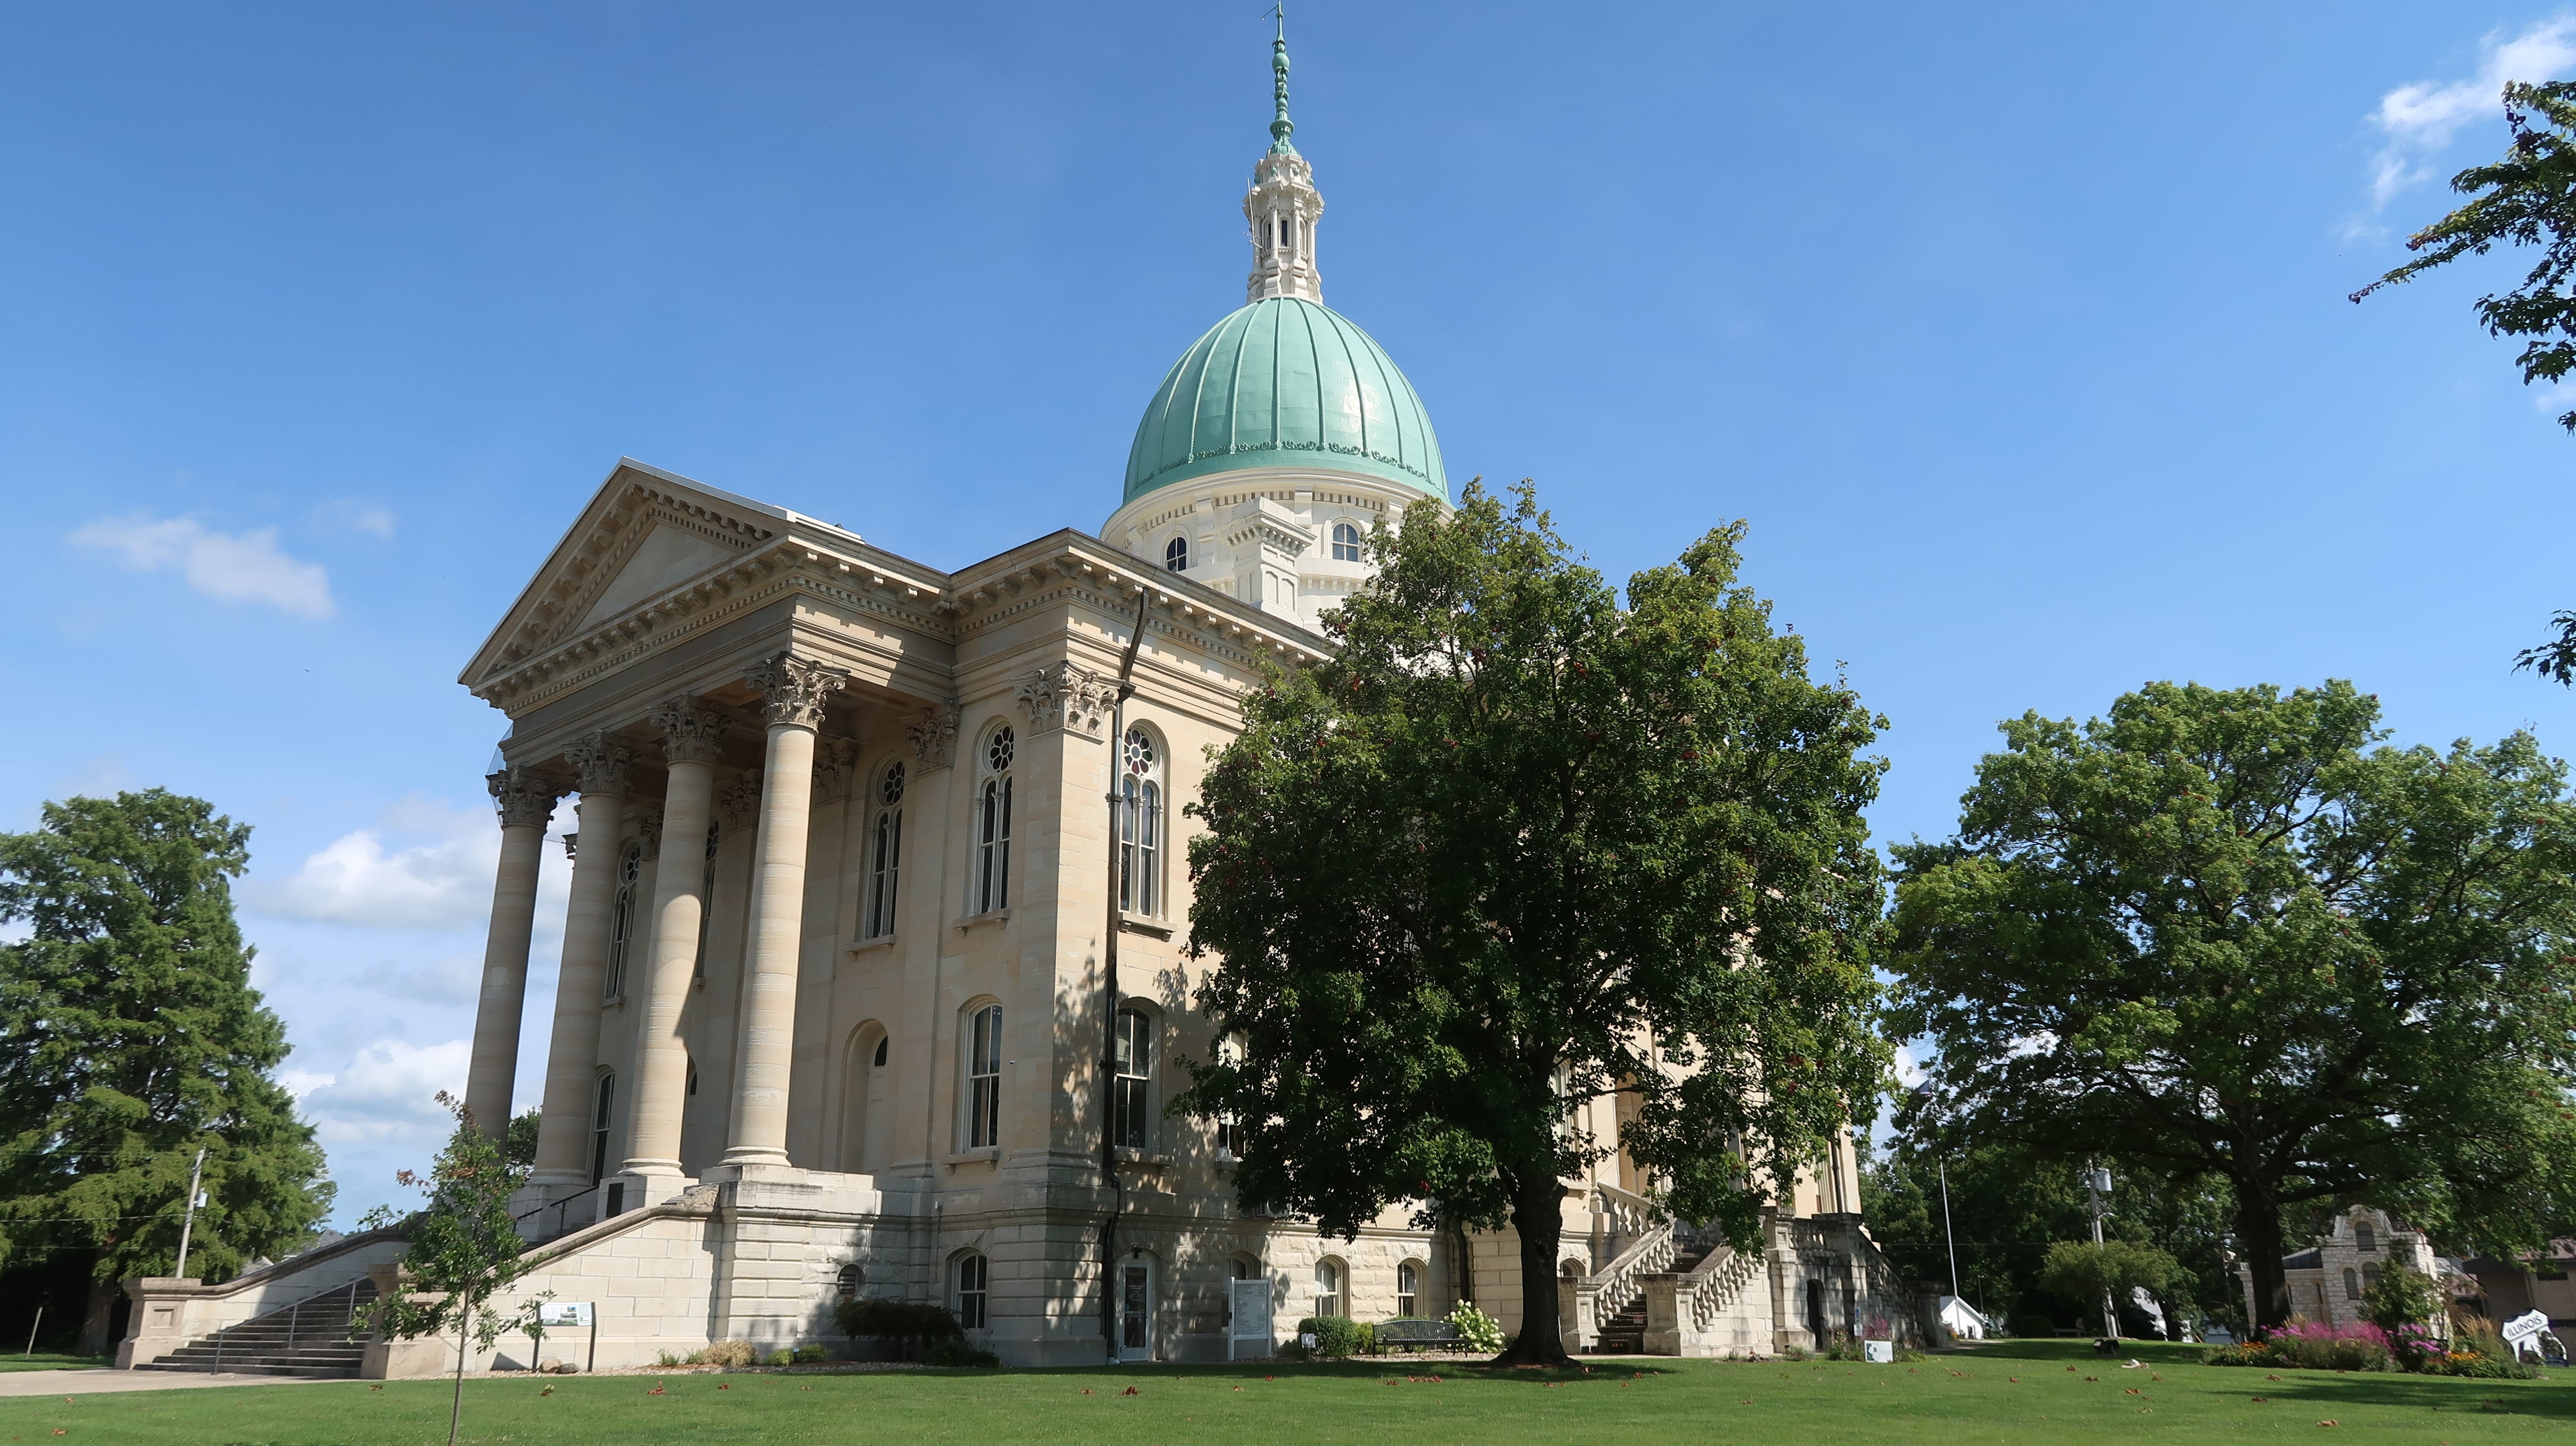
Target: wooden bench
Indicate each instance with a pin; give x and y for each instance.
(1415, 1334)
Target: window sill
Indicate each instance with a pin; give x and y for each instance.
(614, 1001)
(988, 1155)
(866, 946)
(989, 916)
(1136, 924)
(1142, 1159)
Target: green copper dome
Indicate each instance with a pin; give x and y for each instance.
(1285, 382)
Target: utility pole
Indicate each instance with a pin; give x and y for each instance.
(188, 1222)
(1949, 1236)
(1109, 1291)
(2097, 1183)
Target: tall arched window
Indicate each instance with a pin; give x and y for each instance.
(1408, 1288)
(846, 1287)
(1132, 1109)
(1328, 1287)
(2351, 1283)
(974, 1283)
(1176, 554)
(1229, 1128)
(984, 1078)
(2364, 1238)
(1346, 542)
(621, 922)
(601, 1117)
(885, 854)
(1140, 825)
(993, 823)
(707, 899)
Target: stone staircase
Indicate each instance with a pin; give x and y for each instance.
(1624, 1334)
(309, 1338)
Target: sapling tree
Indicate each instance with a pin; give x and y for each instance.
(1519, 845)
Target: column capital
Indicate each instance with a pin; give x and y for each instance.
(1065, 694)
(601, 762)
(741, 799)
(525, 798)
(934, 734)
(797, 688)
(648, 832)
(692, 730)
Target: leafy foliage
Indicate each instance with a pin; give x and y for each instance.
(910, 1327)
(2528, 199)
(130, 1036)
(2082, 1270)
(464, 1248)
(2220, 934)
(1477, 1331)
(519, 1146)
(1509, 851)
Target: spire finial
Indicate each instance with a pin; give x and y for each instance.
(1280, 126)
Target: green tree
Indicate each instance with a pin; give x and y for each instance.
(463, 1250)
(2221, 934)
(520, 1147)
(2407, 1304)
(129, 1037)
(1510, 850)
(2083, 1271)
(2526, 199)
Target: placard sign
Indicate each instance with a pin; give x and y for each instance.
(2525, 1327)
(564, 1313)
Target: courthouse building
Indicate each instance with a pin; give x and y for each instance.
(829, 1014)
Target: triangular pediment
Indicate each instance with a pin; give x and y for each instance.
(645, 533)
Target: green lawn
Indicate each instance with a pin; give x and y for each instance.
(1961, 1398)
(48, 1361)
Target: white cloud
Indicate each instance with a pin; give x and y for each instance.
(355, 516)
(2421, 118)
(387, 1093)
(443, 881)
(1909, 1071)
(243, 567)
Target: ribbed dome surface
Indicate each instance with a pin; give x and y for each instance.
(1285, 382)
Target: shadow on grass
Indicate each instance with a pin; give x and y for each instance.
(2549, 1398)
(1381, 1368)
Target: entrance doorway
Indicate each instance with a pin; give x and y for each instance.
(1136, 1311)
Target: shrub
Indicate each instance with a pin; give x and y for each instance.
(2033, 1327)
(811, 1355)
(2399, 1301)
(729, 1353)
(1477, 1331)
(2313, 1346)
(958, 1353)
(780, 1357)
(2477, 1349)
(911, 1328)
(2243, 1353)
(1336, 1336)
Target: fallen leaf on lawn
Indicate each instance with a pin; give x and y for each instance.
(1744, 1403)
(1238, 1388)
(2271, 1378)
(375, 1388)
(2258, 1400)
(1131, 1390)
(654, 1392)
(2330, 1421)
(548, 1391)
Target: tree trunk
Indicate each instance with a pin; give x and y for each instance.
(2258, 1231)
(95, 1313)
(1538, 1218)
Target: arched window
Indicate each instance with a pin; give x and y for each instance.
(2351, 1283)
(1247, 1267)
(847, 1286)
(1408, 1288)
(1132, 1109)
(1176, 554)
(1346, 542)
(885, 854)
(2365, 1239)
(621, 922)
(1328, 1287)
(867, 1103)
(984, 1078)
(707, 899)
(1229, 1128)
(1140, 826)
(2369, 1275)
(600, 1118)
(974, 1282)
(993, 823)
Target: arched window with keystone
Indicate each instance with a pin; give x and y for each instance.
(1140, 824)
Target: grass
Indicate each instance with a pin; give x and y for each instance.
(1970, 1397)
(49, 1361)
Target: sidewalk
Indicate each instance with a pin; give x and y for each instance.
(91, 1382)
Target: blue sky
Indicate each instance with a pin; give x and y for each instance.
(2017, 333)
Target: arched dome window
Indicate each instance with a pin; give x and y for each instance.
(621, 921)
(1346, 542)
(1176, 554)
(1140, 824)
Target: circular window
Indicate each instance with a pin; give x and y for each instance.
(997, 754)
(890, 792)
(1140, 751)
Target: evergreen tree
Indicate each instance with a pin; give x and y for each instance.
(1516, 848)
(130, 1037)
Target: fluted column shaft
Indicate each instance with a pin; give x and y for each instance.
(572, 1057)
(526, 803)
(691, 733)
(795, 691)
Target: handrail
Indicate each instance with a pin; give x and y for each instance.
(1649, 1254)
(556, 1205)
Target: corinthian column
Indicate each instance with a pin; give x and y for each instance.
(691, 732)
(796, 691)
(526, 802)
(572, 1058)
